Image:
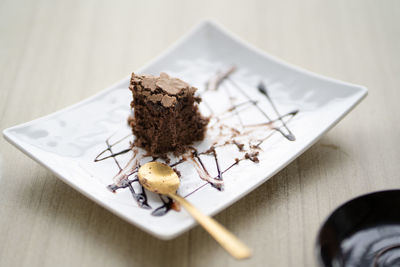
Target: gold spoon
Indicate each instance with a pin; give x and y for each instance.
(161, 178)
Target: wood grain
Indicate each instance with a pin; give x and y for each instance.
(55, 53)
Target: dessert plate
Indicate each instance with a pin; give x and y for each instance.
(264, 113)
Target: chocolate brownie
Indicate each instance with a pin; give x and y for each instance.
(166, 116)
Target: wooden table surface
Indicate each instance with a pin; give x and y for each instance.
(55, 53)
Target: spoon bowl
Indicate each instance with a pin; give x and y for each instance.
(158, 178)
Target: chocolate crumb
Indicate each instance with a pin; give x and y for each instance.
(253, 156)
(239, 146)
(176, 206)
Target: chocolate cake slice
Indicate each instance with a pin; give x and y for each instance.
(166, 116)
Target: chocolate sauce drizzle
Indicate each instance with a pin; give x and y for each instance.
(141, 198)
(250, 151)
(113, 155)
(162, 210)
(202, 170)
(262, 89)
(288, 134)
(234, 109)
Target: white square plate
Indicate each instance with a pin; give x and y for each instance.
(68, 141)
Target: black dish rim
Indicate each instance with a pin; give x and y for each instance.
(317, 245)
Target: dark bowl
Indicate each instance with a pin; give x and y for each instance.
(364, 231)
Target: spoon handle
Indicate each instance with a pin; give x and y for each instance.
(225, 238)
